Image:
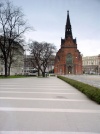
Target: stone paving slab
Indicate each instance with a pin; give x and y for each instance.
(45, 106)
(49, 104)
(93, 80)
(45, 132)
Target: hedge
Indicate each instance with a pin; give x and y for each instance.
(91, 92)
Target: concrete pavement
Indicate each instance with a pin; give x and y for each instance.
(45, 106)
(93, 80)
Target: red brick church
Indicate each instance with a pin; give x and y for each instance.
(68, 59)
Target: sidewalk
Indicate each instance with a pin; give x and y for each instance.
(93, 80)
(45, 106)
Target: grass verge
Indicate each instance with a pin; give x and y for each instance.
(15, 76)
(91, 92)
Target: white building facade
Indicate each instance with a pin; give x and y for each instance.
(91, 64)
(18, 62)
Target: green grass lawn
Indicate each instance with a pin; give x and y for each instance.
(15, 76)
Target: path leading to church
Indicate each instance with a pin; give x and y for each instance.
(45, 106)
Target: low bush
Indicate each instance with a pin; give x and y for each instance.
(92, 92)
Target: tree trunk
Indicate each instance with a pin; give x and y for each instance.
(9, 70)
(43, 74)
(6, 69)
(38, 72)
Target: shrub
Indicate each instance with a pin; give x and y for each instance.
(91, 92)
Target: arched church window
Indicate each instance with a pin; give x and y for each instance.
(69, 59)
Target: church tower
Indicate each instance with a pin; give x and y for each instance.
(68, 59)
(68, 29)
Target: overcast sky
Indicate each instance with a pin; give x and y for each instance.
(48, 17)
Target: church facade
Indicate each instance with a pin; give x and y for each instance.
(68, 59)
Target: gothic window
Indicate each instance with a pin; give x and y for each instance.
(69, 59)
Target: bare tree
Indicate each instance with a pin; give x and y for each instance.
(13, 55)
(12, 28)
(41, 53)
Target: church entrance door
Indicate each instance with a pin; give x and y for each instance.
(69, 70)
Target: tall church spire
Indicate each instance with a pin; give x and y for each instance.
(68, 19)
(68, 29)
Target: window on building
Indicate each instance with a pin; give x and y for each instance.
(69, 59)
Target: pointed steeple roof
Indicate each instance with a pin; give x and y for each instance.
(68, 29)
(68, 19)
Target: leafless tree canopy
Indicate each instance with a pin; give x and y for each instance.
(12, 28)
(41, 53)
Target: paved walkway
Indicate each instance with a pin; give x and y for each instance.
(93, 80)
(45, 106)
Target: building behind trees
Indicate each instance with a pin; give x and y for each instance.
(17, 65)
(12, 28)
(29, 68)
